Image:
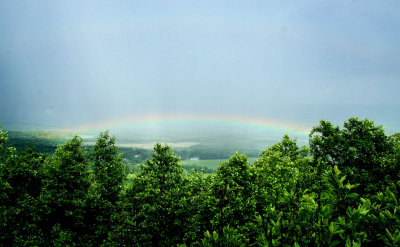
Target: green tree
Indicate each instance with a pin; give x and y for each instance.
(20, 185)
(156, 201)
(105, 192)
(65, 190)
(197, 187)
(3, 139)
(282, 172)
(361, 150)
(109, 170)
(232, 202)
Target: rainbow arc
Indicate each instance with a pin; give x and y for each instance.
(190, 120)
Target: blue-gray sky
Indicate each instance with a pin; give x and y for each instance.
(65, 63)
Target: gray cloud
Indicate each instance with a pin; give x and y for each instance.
(66, 63)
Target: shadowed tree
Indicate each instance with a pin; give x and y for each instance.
(65, 190)
(20, 186)
(109, 173)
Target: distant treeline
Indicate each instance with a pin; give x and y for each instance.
(341, 190)
(41, 141)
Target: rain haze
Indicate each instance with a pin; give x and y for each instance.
(67, 64)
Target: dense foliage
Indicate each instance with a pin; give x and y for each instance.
(341, 190)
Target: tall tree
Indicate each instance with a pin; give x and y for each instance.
(20, 186)
(65, 190)
(281, 173)
(157, 200)
(232, 198)
(105, 193)
(109, 170)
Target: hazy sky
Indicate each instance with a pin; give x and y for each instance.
(73, 62)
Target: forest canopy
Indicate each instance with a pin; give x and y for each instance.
(340, 190)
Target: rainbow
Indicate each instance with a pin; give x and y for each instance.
(187, 120)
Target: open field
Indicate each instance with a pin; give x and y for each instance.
(150, 145)
(210, 164)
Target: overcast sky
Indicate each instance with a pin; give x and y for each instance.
(65, 63)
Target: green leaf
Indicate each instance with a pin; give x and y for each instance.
(337, 171)
(389, 235)
(396, 236)
(342, 179)
(331, 228)
(215, 236)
